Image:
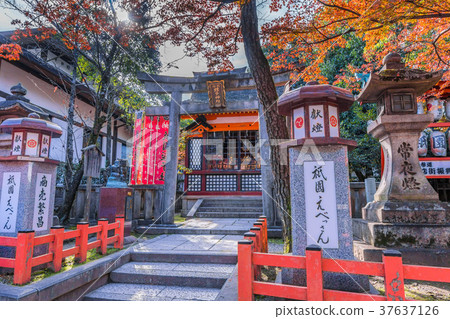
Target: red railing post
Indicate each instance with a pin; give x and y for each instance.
(257, 230)
(82, 242)
(103, 236)
(24, 255)
(393, 275)
(245, 270)
(314, 276)
(120, 231)
(263, 220)
(252, 237)
(56, 247)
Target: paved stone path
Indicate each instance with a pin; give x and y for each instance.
(194, 261)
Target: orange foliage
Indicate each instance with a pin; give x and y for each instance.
(303, 32)
(420, 29)
(10, 52)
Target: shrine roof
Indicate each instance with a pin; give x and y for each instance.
(234, 80)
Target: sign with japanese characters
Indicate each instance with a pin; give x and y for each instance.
(316, 127)
(9, 202)
(216, 94)
(436, 169)
(320, 204)
(42, 202)
(299, 123)
(17, 143)
(45, 145)
(31, 146)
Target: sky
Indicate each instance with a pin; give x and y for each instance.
(184, 65)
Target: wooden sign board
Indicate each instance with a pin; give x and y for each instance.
(216, 94)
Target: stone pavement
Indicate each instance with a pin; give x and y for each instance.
(192, 260)
(173, 267)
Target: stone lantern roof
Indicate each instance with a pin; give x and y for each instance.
(314, 92)
(395, 75)
(17, 104)
(31, 123)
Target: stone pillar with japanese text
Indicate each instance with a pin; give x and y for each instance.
(27, 178)
(319, 180)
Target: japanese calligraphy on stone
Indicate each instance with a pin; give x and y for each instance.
(320, 204)
(42, 202)
(9, 202)
(409, 181)
(316, 120)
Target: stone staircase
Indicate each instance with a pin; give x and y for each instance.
(168, 275)
(215, 216)
(230, 208)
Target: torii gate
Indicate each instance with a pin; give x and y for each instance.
(235, 80)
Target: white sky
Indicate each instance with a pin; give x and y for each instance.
(169, 54)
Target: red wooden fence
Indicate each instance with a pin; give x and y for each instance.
(26, 241)
(252, 254)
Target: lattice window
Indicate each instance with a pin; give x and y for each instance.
(251, 183)
(194, 183)
(221, 183)
(195, 154)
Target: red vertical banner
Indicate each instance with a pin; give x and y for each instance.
(151, 134)
(161, 153)
(146, 147)
(152, 152)
(136, 143)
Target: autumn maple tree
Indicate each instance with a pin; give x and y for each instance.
(108, 51)
(417, 29)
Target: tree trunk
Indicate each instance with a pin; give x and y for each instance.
(276, 124)
(65, 208)
(70, 119)
(108, 142)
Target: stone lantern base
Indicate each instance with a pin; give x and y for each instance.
(406, 214)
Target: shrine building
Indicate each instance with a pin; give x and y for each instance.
(227, 149)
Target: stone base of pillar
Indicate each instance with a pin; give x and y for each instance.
(413, 256)
(429, 212)
(388, 235)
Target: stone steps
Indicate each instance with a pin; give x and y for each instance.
(170, 256)
(173, 274)
(140, 292)
(213, 214)
(160, 230)
(223, 209)
(232, 203)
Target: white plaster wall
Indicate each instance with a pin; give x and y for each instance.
(49, 97)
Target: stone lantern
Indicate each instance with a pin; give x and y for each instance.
(321, 104)
(319, 179)
(27, 176)
(406, 211)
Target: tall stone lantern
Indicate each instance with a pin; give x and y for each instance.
(27, 176)
(406, 211)
(319, 179)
